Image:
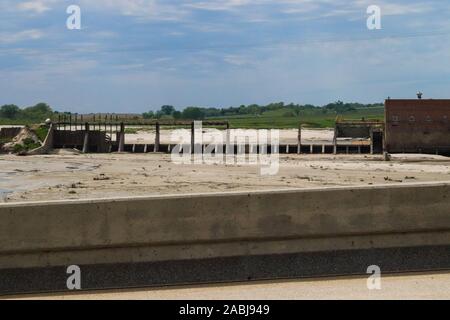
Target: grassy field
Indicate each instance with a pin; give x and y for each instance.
(284, 119)
(17, 122)
(281, 118)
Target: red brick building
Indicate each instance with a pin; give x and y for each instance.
(417, 126)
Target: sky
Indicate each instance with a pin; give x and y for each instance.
(132, 56)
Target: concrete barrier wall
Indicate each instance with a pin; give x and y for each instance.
(47, 144)
(167, 240)
(9, 133)
(179, 227)
(96, 142)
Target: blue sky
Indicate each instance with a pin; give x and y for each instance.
(136, 55)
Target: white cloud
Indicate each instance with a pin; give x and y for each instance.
(221, 5)
(35, 6)
(33, 34)
(143, 9)
(238, 60)
(398, 8)
(345, 8)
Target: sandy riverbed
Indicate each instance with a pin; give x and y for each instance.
(79, 176)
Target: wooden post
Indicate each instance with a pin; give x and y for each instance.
(157, 138)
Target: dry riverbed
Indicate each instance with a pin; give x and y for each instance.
(77, 176)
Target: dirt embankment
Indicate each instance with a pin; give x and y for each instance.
(25, 140)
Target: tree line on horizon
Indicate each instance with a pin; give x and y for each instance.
(42, 111)
(292, 110)
(36, 113)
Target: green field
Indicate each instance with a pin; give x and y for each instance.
(283, 118)
(16, 122)
(280, 118)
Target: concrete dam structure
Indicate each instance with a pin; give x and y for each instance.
(410, 126)
(104, 137)
(224, 237)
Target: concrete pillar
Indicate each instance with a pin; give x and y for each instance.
(145, 148)
(192, 137)
(299, 139)
(371, 140)
(50, 139)
(134, 148)
(311, 148)
(122, 137)
(157, 138)
(335, 141)
(86, 139)
(274, 149)
(287, 149)
(359, 149)
(347, 149)
(262, 149)
(323, 148)
(227, 142)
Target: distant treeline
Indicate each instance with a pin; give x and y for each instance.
(293, 110)
(41, 111)
(36, 113)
